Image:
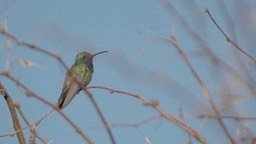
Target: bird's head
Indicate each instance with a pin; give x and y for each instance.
(86, 57)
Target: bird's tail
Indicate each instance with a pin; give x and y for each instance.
(67, 96)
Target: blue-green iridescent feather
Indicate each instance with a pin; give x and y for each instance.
(79, 74)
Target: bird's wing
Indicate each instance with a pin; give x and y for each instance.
(72, 85)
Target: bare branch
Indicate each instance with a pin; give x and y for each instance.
(104, 121)
(58, 58)
(203, 87)
(227, 37)
(154, 105)
(236, 118)
(32, 128)
(116, 91)
(28, 92)
(32, 46)
(15, 120)
(132, 125)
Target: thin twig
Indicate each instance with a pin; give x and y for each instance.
(154, 105)
(227, 37)
(32, 46)
(236, 118)
(181, 115)
(58, 58)
(28, 92)
(201, 43)
(181, 124)
(133, 125)
(32, 128)
(116, 91)
(36, 123)
(104, 121)
(15, 120)
(202, 86)
(95, 105)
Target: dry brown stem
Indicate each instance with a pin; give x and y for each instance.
(15, 120)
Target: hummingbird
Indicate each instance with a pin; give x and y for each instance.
(77, 77)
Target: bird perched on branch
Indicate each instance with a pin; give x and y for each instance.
(77, 77)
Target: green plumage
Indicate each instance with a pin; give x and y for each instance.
(77, 77)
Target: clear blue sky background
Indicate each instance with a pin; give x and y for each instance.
(135, 63)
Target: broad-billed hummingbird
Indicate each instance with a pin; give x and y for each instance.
(77, 77)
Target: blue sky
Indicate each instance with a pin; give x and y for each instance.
(136, 62)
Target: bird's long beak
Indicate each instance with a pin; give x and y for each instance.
(99, 53)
